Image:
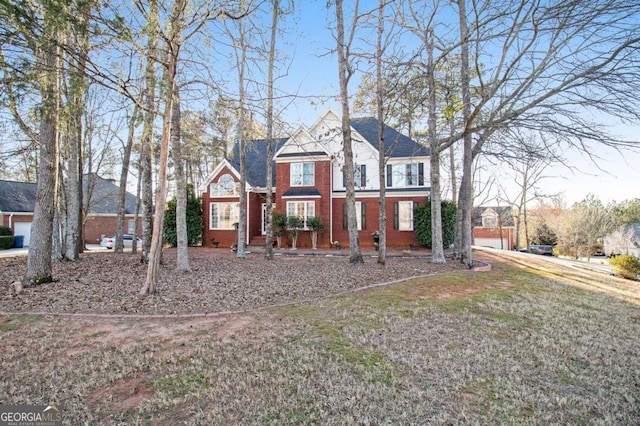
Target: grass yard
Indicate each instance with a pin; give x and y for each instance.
(512, 346)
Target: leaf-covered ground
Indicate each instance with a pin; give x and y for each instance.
(526, 343)
(105, 282)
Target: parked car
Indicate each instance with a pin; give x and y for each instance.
(127, 239)
(544, 249)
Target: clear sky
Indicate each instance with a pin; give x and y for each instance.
(314, 73)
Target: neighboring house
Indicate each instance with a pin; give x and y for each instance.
(308, 181)
(17, 200)
(494, 227)
(625, 240)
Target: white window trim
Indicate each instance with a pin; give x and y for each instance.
(212, 186)
(306, 210)
(313, 180)
(211, 215)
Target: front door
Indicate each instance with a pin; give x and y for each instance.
(264, 218)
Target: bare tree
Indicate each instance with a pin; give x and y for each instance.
(147, 142)
(345, 73)
(173, 44)
(39, 259)
(182, 263)
(382, 214)
(270, 121)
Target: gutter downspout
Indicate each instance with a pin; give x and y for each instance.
(331, 202)
(246, 228)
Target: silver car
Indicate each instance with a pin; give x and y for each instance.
(127, 239)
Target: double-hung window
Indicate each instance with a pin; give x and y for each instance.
(403, 175)
(224, 215)
(302, 174)
(361, 216)
(403, 215)
(359, 176)
(303, 209)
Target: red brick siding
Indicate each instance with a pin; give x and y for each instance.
(508, 233)
(395, 238)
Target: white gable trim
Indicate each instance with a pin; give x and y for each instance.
(204, 186)
(302, 142)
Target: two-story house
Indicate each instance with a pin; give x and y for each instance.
(309, 181)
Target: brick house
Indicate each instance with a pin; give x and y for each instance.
(17, 200)
(494, 227)
(308, 177)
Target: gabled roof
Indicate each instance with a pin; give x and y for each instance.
(104, 195)
(256, 160)
(395, 143)
(17, 197)
(20, 197)
(504, 213)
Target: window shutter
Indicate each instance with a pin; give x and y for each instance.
(344, 178)
(363, 215)
(389, 175)
(345, 220)
(396, 215)
(363, 175)
(421, 174)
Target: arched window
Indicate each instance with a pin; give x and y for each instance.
(225, 187)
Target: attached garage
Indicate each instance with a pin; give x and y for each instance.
(24, 229)
(492, 242)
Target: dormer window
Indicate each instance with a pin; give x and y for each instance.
(302, 174)
(489, 219)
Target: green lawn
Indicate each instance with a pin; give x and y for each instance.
(505, 347)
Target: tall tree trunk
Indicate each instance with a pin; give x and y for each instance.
(437, 249)
(269, 182)
(136, 213)
(466, 185)
(452, 163)
(124, 175)
(78, 87)
(345, 73)
(173, 53)
(39, 259)
(382, 202)
(146, 157)
(240, 252)
(181, 188)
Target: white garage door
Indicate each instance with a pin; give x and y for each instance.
(22, 228)
(491, 242)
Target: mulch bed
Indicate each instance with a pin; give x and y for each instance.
(109, 283)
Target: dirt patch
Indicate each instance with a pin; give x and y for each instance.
(122, 396)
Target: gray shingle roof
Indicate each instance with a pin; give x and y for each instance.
(21, 196)
(301, 192)
(396, 144)
(256, 160)
(17, 196)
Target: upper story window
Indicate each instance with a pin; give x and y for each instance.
(302, 174)
(359, 176)
(490, 219)
(408, 174)
(225, 187)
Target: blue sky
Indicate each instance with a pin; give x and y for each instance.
(615, 177)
